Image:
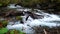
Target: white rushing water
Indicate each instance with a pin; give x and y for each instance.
(50, 20)
(13, 6)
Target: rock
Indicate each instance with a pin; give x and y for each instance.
(13, 13)
(34, 16)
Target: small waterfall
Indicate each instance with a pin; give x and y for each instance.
(14, 6)
(50, 20)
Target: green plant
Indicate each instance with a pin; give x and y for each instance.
(3, 30)
(16, 32)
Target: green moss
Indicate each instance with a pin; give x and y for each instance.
(4, 2)
(18, 17)
(4, 22)
(27, 3)
(0, 4)
(7, 2)
(16, 32)
(12, 32)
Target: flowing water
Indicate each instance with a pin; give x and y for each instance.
(50, 20)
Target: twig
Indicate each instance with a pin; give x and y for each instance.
(44, 31)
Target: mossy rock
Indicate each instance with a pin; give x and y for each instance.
(4, 22)
(16, 32)
(4, 3)
(18, 17)
(7, 2)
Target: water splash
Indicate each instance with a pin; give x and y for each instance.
(50, 20)
(14, 6)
